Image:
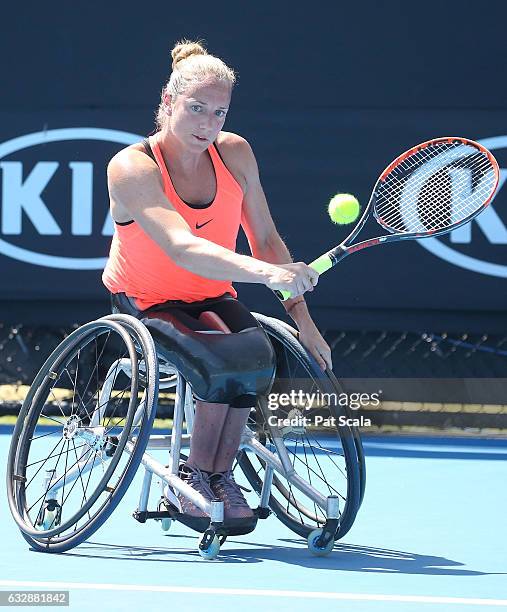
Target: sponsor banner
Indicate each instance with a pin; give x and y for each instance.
(489, 230)
(55, 227)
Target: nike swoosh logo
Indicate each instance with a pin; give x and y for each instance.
(197, 226)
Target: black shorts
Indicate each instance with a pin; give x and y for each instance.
(233, 313)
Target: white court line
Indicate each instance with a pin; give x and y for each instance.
(470, 601)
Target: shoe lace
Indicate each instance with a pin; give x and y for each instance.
(200, 481)
(231, 488)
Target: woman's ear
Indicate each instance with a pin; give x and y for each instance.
(167, 103)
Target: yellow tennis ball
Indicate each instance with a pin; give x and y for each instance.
(343, 208)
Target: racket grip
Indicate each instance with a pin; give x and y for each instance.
(320, 265)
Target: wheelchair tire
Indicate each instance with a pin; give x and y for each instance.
(80, 418)
(355, 431)
(283, 502)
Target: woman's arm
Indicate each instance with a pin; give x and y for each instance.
(135, 184)
(266, 244)
(264, 240)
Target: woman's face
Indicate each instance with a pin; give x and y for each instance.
(198, 114)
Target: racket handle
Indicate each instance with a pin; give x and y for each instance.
(320, 265)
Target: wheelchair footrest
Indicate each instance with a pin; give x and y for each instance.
(227, 528)
(201, 524)
(142, 517)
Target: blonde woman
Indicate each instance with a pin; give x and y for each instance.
(178, 200)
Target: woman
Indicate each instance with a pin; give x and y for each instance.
(177, 201)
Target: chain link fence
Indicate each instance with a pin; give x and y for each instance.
(428, 380)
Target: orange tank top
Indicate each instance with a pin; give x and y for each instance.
(138, 267)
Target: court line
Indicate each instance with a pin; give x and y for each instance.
(471, 601)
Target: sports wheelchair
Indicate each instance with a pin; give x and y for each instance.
(86, 426)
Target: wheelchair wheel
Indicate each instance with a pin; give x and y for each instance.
(355, 431)
(324, 455)
(81, 432)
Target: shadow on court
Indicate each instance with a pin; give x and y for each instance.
(345, 557)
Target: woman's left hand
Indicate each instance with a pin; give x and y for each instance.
(312, 340)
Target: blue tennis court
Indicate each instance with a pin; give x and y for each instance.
(429, 536)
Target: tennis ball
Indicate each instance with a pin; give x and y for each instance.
(343, 208)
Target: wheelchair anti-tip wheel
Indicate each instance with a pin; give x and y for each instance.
(317, 549)
(209, 547)
(81, 432)
(328, 456)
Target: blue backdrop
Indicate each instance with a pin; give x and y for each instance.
(327, 97)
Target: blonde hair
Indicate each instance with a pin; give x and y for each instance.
(191, 64)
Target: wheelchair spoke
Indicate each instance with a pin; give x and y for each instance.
(50, 456)
(115, 372)
(80, 475)
(80, 470)
(57, 402)
(321, 470)
(51, 433)
(320, 477)
(45, 416)
(309, 475)
(331, 489)
(43, 497)
(83, 499)
(95, 367)
(329, 453)
(116, 402)
(42, 461)
(65, 472)
(75, 383)
(76, 392)
(56, 481)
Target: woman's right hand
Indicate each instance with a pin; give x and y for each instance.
(294, 277)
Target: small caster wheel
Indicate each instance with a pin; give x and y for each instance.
(211, 551)
(319, 551)
(49, 516)
(49, 520)
(166, 523)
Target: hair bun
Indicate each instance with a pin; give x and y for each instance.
(186, 48)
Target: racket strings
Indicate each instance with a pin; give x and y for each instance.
(442, 208)
(434, 202)
(434, 188)
(434, 209)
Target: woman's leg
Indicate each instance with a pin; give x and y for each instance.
(206, 434)
(223, 444)
(217, 427)
(234, 424)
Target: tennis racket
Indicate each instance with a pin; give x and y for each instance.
(429, 190)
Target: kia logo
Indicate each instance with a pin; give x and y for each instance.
(26, 208)
(488, 222)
